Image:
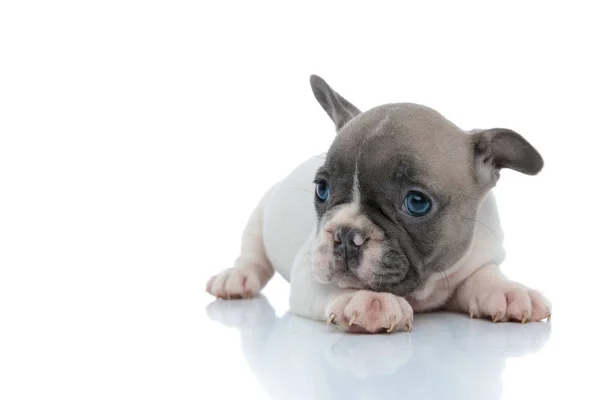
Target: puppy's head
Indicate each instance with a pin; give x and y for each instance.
(397, 196)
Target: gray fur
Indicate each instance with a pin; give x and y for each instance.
(502, 148)
(339, 109)
(401, 147)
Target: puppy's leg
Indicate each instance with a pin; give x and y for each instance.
(489, 294)
(252, 269)
(349, 309)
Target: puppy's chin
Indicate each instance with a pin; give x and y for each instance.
(325, 271)
(344, 281)
(341, 279)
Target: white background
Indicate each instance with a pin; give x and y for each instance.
(136, 137)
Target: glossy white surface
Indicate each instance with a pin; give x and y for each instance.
(446, 356)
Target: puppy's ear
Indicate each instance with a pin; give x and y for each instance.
(339, 109)
(499, 148)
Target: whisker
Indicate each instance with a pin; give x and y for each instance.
(390, 273)
(475, 220)
(299, 239)
(446, 281)
(306, 190)
(444, 278)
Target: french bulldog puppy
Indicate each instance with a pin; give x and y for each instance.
(398, 217)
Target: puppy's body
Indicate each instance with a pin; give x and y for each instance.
(403, 219)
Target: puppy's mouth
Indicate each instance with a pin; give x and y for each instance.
(398, 283)
(350, 259)
(346, 279)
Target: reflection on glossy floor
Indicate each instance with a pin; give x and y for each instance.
(447, 356)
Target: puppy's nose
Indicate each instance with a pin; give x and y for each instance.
(347, 242)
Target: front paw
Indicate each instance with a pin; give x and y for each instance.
(234, 283)
(503, 304)
(370, 312)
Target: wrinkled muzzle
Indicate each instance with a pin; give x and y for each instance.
(350, 249)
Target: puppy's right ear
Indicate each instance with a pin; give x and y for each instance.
(499, 148)
(339, 109)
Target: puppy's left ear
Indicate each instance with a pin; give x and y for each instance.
(338, 108)
(499, 148)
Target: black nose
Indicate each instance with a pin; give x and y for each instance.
(345, 242)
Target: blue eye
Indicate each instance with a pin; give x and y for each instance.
(322, 190)
(417, 204)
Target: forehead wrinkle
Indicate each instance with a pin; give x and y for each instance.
(381, 157)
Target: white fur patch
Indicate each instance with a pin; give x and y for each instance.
(367, 235)
(356, 188)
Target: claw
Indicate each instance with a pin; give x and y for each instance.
(524, 317)
(496, 317)
(391, 328)
(409, 326)
(331, 318)
(353, 318)
(471, 313)
(549, 317)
